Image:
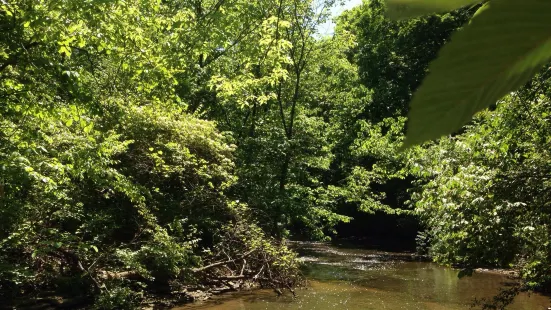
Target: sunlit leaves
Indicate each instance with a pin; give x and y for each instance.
(86, 88)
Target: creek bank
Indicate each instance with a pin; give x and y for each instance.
(505, 272)
(156, 300)
(193, 294)
(202, 293)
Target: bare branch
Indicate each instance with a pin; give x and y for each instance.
(229, 261)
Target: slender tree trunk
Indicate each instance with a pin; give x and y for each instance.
(284, 171)
(289, 132)
(253, 121)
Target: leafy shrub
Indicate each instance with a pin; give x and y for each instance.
(486, 201)
(122, 298)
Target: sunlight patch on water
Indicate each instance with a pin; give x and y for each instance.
(308, 259)
(365, 261)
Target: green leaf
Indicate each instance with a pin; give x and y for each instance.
(95, 248)
(411, 8)
(88, 128)
(498, 52)
(65, 50)
(482, 9)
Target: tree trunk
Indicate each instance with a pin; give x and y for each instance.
(284, 171)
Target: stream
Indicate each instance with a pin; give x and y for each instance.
(342, 277)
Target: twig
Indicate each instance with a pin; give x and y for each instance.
(223, 262)
(243, 268)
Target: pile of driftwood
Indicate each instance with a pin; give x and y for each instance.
(240, 261)
(252, 268)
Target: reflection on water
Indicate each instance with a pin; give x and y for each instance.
(341, 278)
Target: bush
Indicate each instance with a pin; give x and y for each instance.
(485, 203)
(142, 198)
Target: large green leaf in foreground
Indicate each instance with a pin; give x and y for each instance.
(495, 54)
(412, 8)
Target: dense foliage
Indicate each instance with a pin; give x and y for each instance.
(109, 187)
(486, 203)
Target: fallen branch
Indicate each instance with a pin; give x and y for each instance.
(229, 261)
(241, 277)
(258, 274)
(244, 265)
(107, 275)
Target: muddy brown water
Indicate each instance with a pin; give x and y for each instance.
(352, 278)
